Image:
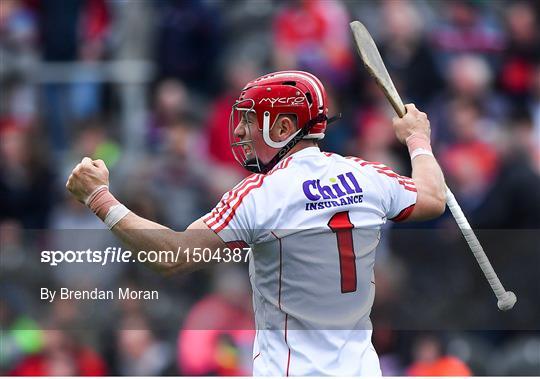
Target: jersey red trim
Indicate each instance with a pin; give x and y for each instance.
(287, 343)
(381, 168)
(243, 189)
(237, 244)
(235, 207)
(280, 166)
(224, 205)
(280, 269)
(408, 184)
(223, 202)
(404, 214)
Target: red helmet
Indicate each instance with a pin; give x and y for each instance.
(285, 92)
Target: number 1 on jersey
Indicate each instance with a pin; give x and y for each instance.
(342, 226)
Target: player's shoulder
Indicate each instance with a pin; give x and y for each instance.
(376, 170)
(356, 162)
(241, 190)
(253, 178)
(315, 161)
(368, 164)
(383, 173)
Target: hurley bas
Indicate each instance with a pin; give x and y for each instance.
(97, 294)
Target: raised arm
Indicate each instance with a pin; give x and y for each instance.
(89, 183)
(414, 131)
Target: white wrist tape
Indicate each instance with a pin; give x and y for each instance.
(115, 214)
(420, 151)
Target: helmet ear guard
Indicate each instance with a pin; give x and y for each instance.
(292, 141)
(266, 133)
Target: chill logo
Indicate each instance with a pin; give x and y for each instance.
(342, 190)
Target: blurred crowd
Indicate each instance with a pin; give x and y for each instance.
(147, 86)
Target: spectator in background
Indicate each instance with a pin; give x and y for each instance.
(178, 178)
(91, 140)
(384, 341)
(521, 52)
(176, 172)
(93, 28)
(514, 199)
(72, 31)
(18, 52)
(468, 79)
(217, 337)
(467, 29)
(18, 37)
(180, 168)
(429, 359)
(133, 29)
(470, 163)
(313, 35)
(406, 53)
(140, 353)
(63, 355)
(375, 139)
(26, 180)
(171, 103)
(20, 335)
(94, 140)
(188, 43)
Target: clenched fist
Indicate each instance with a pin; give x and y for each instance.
(414, 122)
(86, 177)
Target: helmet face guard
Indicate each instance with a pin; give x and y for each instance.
(243, 150)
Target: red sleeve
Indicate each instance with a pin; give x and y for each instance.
(404, 214)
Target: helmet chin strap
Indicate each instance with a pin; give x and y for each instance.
(286, 145)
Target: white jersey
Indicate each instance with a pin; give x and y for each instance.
(313, 223)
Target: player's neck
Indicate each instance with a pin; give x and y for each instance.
(301, 146)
